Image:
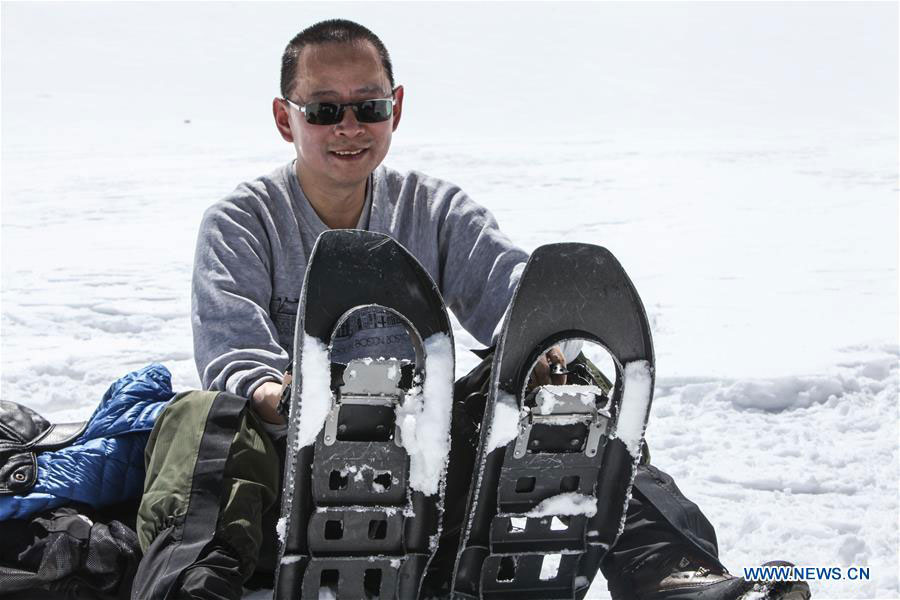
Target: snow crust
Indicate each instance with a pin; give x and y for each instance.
(505, 423)
(569, 503)
(315, 391)
(635, 404)
(424, 417)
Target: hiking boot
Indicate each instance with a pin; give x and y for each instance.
(782, 590)
(684, 578)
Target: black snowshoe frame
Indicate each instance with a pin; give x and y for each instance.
(350, 522)
(567, 291)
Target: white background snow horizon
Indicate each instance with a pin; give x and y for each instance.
(740, 159)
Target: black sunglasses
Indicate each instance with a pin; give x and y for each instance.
(332, 113)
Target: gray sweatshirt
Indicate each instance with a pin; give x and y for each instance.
(253, 248)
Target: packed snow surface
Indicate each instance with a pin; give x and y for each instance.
(505, 423)
(424, 417)
(315, 390)
(739, 159)
(635, 404)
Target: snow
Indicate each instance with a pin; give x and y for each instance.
(505, 422)
(424, 417)
(635, 404)
(388, 510)
(550, 566)
(569, 503)
(548, 395)
(315, 390)
(393, 373)
(739, 159)
(281, 528)
(328, 593)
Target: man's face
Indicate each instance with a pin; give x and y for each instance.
(341, 156)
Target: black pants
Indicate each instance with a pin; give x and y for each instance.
(659, 523)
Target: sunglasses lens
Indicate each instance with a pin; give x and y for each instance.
(323, 113)
(367, 111)
(374, 111)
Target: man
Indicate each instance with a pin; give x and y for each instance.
(339, 109)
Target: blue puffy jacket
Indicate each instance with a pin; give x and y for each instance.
(105, 464)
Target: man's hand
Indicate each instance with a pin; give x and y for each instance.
(266, 398)
(542, 374)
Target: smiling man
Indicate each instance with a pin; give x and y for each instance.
(339, 108)
(336, 155)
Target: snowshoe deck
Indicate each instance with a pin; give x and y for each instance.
(353, 523)
(548, 499)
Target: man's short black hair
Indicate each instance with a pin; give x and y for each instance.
(332, 30)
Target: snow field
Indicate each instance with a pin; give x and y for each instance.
(808, 474)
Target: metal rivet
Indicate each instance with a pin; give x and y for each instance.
(574, 441)
(19, 476)
(535, 443)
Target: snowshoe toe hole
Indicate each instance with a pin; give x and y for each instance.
(525, 485)
(507, 569)
(377, 529)
(338, 480)
(329, 580)
(569, 483)
(372, 583)
(550, 566)
(334, 529)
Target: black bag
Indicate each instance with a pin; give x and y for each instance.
(67, 552)
(24, 434)
(70, 552)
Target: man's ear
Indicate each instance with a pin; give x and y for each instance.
(398, 106)
(280, 111)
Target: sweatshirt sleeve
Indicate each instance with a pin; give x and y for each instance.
(479, 265)
(235, 341)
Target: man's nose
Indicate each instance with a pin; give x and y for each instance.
(349, 124)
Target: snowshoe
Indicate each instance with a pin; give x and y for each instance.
(556, 463)
(368, 433)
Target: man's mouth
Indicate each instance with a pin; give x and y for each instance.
(349, 154)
